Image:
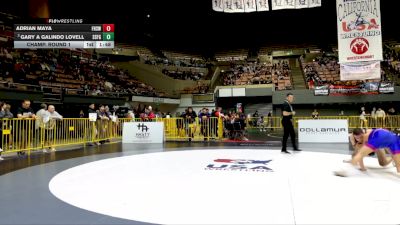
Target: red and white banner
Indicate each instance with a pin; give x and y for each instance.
(359, 30)
(360, 71)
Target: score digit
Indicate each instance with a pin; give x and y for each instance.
(108, 27)
(108, 36)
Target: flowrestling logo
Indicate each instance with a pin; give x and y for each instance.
(242, 165)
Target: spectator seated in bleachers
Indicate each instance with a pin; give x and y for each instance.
(65, 71)
(179, 66)
(199, 88)
(392, 61)
(184, 75)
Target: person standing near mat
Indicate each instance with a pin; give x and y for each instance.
(288, 129)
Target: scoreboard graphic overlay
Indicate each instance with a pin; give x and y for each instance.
(63, 33)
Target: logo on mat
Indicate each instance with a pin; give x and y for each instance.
(247, 165)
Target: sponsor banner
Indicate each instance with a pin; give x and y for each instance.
(359, 30)
(386, 88)
(369, 88)
(301, 4)
(283, 4)
(143, 132)
(314, 3)
(321, 90)
(250, 5)
(262, 5)
(218, 5)
(360, 71)
(323, 131)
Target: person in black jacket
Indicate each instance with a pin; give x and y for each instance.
(288, 129)
(189, 121)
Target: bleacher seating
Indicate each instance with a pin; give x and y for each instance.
(178, 65)
(66, 71)
(277, 73)
(392, 61)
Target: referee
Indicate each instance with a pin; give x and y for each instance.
(288, 129)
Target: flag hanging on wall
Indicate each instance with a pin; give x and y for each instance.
(218, 5)
(250, 5)
(314, 3)
(283, 4)
(301, 4)
(262, 5)
(241, 6)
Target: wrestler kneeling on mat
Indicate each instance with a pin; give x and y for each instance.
(376, 140)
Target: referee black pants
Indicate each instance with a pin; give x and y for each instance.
(288, 129)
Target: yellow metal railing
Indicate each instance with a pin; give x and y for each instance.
(20, 135)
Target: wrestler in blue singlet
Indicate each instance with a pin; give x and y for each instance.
(381, 138)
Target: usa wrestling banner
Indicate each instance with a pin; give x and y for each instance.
(359, 30)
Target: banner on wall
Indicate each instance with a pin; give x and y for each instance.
(321, 90)
(283, 4)
(218, 5)
(233, 6)
(360, 71)
(301, 4)
(314, 3)
(240, 6)
(250, 5)
(359, 30)
(386, 88)
(262, 5)
(367, 88)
